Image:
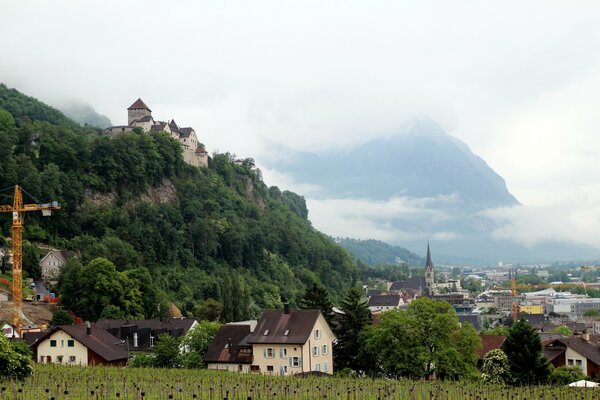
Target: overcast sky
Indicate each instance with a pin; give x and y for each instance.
(517, 81)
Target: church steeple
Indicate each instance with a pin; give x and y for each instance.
(429, 281)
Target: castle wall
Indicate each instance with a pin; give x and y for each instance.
(134, 114)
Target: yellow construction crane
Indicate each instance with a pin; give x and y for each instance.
(513, 291)
(17, 209)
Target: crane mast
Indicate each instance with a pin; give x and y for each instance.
(17, 209)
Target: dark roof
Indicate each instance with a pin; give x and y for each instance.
(535, 320)
(146, 330)
(145, 118)
(185, 132)
(589, 350)
(385, 300)
(100, 341)
(168, 323)
(201, 150)
(489, 343)
(32, 337)
(275, 323)
(139, 104)
(415, 283)
(225, 347)
(158, 126)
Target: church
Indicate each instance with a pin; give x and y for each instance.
(139, 116)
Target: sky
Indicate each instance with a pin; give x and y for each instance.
(517, 81)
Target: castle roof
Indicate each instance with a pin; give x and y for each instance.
(185, 132)
(139, 105)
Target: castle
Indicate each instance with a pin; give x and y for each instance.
(140, 116)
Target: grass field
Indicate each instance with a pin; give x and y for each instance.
(60, 382)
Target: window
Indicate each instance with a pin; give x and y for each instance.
(317, 334)
(316, 351)
(269, 352)
(269, 368)
(53, 344)
(71, 359)
(283, 370)
(295, 361)
(578, 363)
(286, 333)
(266, 332)
(324, 349)
(70, 343)
(317, 367)
(283, 353)
(325, 366)
(570, 361)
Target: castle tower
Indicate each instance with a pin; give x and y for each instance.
(137, 110)
(429, 271)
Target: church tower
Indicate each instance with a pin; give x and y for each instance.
(137, 110)
(429, 282)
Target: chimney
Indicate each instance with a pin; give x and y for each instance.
(286, 308)
(586, 336)
(88, 328)
(135, 339)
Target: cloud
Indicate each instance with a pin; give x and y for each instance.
(572, 216)
(367, 219)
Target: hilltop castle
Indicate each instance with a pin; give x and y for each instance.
(139, 115)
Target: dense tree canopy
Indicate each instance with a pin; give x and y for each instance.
(198, 237)
(424, 339)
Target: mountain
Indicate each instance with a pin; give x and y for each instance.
(419, 161)
(85, 114)
(374, 252)
(216, 241)
(419, 183)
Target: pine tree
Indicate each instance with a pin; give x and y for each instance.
(525, 355)
(316, 297)
(356, 317)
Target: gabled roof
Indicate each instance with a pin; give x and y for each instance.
(139, 105)
(489, 343)
(275, 323)
(225, 347)
(100, 341)
(385, 300)
(589, 350)
(415, 283)
(178, 325)
(59, 254)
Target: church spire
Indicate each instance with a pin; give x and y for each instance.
(429, 280)
(429, 263)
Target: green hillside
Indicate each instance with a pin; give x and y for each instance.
(374, 252)
(215, 241)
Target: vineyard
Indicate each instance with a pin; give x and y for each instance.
(74, 383)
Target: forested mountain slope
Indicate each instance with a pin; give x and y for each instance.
(213, 240)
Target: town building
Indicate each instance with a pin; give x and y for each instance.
(140, 116)
(52, 263)
(284, 342)
(385, 302)
(79, 345)
(579, 352)
(141, 335)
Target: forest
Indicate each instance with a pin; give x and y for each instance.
(144, 229)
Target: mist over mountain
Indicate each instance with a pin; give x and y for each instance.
(85, 114)
(419, 161)
(416, 185)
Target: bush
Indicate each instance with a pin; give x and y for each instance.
(142, 360)
(13, 363)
